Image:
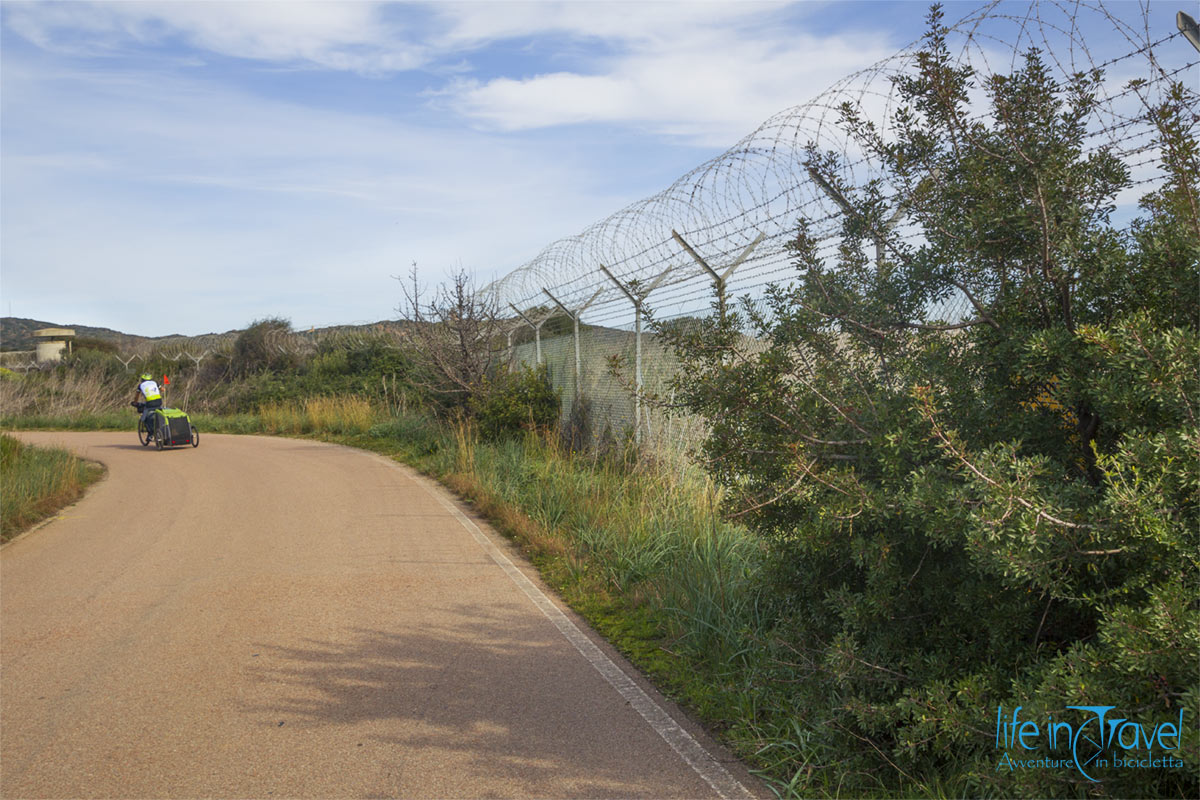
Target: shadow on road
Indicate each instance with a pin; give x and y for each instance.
(135, 446)
(501, 701)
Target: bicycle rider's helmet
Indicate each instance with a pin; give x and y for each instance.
(146, 376)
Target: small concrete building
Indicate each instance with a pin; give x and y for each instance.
(52, 343)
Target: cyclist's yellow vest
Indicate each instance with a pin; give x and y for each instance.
(149, 390)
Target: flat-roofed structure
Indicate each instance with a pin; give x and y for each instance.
(52, 343)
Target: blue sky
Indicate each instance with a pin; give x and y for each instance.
(176, 167)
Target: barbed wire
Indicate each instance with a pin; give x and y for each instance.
(753, 194)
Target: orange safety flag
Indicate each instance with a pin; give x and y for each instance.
(166, 381)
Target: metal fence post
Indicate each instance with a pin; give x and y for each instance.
(1188, 27)
(574, 315)
(508, 343)
(847, 208)
(719, 279)
(637, 295)
(537, 331)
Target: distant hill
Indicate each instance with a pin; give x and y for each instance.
(16, 333)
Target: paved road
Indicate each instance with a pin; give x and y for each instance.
(278, 618)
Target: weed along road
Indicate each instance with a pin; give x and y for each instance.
(265, 617)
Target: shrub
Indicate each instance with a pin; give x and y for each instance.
(998, 510)
(265, 345)
(515, 400)
(93, 343)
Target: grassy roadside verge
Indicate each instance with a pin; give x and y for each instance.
(38, 482)
(637, 549)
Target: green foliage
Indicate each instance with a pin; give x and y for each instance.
(92, 343)
(372, 367)
(97, 362)
(1001, 509)
(516, 400)
(263, 346)
(37, 482)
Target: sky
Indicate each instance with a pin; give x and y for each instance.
(190, 167)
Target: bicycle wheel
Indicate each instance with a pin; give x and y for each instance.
(143, 434)
(195, 437)
(158, 439)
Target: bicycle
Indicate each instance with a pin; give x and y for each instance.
(143, 435)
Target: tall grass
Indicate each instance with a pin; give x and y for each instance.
(37, 482)
(345, 416)
(646, 534)
(64, 394)
(82, 394)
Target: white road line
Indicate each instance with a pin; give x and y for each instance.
(682, 742)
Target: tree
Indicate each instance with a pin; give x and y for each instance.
(457, 336)
(997, 508)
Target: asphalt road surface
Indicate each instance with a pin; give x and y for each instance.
(265, 617)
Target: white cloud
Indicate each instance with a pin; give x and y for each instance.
(712, 87)
(354, 36)
(470, 25)
(707, 71)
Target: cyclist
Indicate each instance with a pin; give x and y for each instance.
(149, 397)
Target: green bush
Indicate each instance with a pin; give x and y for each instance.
(81, 343)
(92, 360)
(375, 368)
(515, 400)
(264, 346)
(999, 510)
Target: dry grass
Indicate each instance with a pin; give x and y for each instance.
(338, 415)
(56, 394)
